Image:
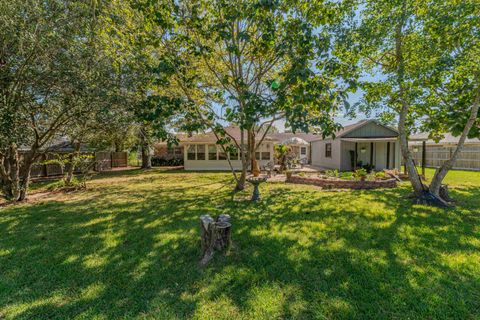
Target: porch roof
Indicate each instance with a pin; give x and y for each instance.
(386, 139)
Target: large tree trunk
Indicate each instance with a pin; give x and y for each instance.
(25, 180)
(244, 158)
(417, 185)
(414, 177)
(442, 171)
(10, 173)
(255, 170)
(146, 157)
(146, 154)
(71, 168)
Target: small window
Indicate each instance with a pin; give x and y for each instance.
(221, 155)
(303, 151)
(265, 155)
(212, 152)
(201, 152)
(191, 152)
(257, 155)
(328, 150)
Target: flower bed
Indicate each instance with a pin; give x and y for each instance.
(332, 183)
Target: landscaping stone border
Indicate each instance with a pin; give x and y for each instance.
(343, 184)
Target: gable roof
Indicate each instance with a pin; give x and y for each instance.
(447, 139)
(232, 131)
(61, 144)
(282, 136)
(349, 129)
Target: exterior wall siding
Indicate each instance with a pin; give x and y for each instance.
(318, 154)
(371, 130)
(222, 165)
(346, 164)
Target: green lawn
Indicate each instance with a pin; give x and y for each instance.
(128, 247)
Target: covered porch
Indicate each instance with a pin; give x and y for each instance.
(300, 148)
(370, 153)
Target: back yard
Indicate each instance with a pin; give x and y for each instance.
(128, 247)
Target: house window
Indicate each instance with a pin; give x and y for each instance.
(178, 151)
(212, 152)
(328, 150)
(191, 152)
(303, 151)
(266, 155)
(221, 155)
(257, 155)
(201, 152)
(234, 154)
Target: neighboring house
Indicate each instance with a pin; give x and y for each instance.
(202, 153)
(162, 151)
(299, 143)
(368, 141)
(105, 160)
(437, 152)
(365, 143)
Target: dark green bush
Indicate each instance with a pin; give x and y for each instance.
(162, 162)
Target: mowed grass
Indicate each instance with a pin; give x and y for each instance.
(129, 246)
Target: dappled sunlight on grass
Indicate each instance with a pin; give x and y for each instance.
(129, 246)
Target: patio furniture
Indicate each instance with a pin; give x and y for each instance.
(269, 168)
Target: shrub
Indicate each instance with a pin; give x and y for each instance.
(162, 162)
(332, 173)
(347, 175)
(380, 175)
(74, 184)
(361, 173)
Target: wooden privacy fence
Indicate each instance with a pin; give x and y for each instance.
(436, 155)
(104, 161)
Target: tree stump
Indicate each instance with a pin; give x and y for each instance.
(216, 236)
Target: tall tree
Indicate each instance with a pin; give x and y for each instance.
(55, 68)
(41, 42)
(255, 62)
(424, 59)
(450, 72)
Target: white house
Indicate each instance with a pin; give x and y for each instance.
(365, 143)
(202, 153)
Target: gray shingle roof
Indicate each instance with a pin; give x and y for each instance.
(447, 139)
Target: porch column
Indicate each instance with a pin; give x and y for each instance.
(355, 156)
(398, 156)
(371, 155)
(309, 153)
(388, 155)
